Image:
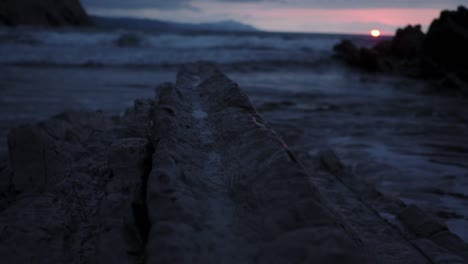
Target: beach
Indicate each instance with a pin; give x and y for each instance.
(390, 131)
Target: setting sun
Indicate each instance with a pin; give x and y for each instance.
(375, 33)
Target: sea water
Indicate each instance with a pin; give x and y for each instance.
(408, 144)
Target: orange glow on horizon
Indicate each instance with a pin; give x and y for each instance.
(375, 33)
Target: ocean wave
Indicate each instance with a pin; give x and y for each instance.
(238, 65)
(128, 40)
(135, 53)
(123, 48)
(15, 38)
(166, 40)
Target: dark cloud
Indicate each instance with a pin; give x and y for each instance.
(133, 4)
(361, 3)
(186, 4)
(387, 3)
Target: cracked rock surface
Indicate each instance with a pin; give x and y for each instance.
(196, 176)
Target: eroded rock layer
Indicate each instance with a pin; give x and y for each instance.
(225, 188)
(196, 176)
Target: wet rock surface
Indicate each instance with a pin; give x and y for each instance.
(224, 187)
(43, 13)
(196, 176)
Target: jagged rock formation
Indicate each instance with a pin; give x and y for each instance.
(447, 39)
(196, 176)
(43, 13)
(76, 190)
(439, 54)
(406, 49)
(225, 189)
(362, 58)
(408, 42)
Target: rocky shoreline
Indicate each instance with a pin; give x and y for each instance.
(196, 176)
(439, 55)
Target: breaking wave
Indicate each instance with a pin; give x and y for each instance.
(32, 47)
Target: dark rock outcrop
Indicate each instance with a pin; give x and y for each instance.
(43, 13)
(224, 187)
(441, 54)
(447, 39)
(195, 176)
(408, 43)
(401, 53)
(358, 57)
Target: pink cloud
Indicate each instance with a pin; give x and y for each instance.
(279, 17)
(338, 20)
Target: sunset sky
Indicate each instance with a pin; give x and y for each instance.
(333, 16)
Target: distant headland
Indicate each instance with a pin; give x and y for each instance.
(43, 13)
